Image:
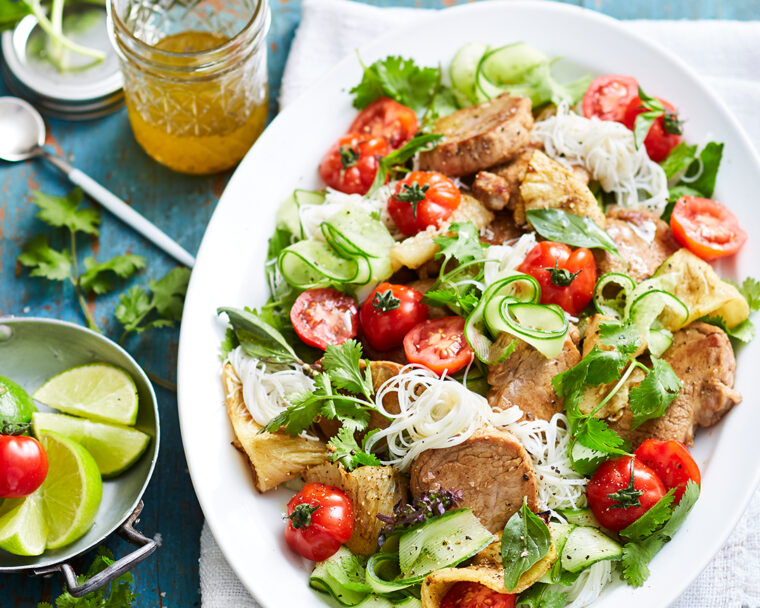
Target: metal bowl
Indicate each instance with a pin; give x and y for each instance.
(33, 350)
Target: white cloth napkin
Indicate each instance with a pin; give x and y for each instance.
(727, 56)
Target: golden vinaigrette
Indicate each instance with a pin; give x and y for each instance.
(195, 124)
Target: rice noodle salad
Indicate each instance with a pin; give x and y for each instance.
(490, 337)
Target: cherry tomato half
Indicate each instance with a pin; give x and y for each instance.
(608, 96)
(439, 344)
(389, 313)
(386, 118)
(23, 465)
(706, 228)
(621, 491)
(475, 595)
(672, 463)
(567, 277)
(324, 316)
(351, 164)
(659, 141)
(422, 199)
(320, 519)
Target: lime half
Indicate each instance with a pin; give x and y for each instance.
(114, 448)
(98, 391)
(16, 406)
(71, 492)
(23, 528)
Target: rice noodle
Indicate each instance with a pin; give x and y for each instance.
(587, 587)
(607, 150)
(559, 486)
(433, 413)
(266, 385)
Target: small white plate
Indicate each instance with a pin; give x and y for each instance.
(229, 271)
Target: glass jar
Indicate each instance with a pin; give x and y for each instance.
(195, 78)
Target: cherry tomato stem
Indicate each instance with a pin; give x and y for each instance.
(388, 313)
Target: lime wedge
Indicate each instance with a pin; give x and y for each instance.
(115, 448)
(16, 406)
(71, 492)
(98, 391)
(23, 528)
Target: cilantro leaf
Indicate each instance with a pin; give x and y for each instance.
(304, 408)
(169, 293)
(596, 435)
(464, 246)
(525, 540)
(229, 343)
(750, 289)
(344, 449)
(462, 304)
(132, 308)
(598, 367)
(653, 519)
(46, 261)
(638, 554)
(622, 336)
(343, 365)
(97, 275)
(400, 79)
(653, 395)
(63, 211)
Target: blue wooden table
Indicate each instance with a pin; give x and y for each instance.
(182, 206)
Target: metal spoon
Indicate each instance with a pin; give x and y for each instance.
(22, 135)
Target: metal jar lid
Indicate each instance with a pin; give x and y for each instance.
(76, 94)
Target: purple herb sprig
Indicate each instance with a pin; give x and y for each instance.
(431, 504)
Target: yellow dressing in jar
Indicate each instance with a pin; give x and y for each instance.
(196, 100)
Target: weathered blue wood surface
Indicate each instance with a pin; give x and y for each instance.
(181, 205)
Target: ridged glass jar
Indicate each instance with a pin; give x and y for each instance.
(195, 78)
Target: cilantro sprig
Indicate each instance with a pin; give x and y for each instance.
(53, 264)
(650, 533)
(117, 594)
(649, 399)
(344, 449)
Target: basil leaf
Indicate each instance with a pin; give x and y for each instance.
(526, 539)
(258, 338)
(571, 229)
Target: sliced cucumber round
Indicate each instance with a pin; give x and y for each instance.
(611, 293)
(507, 64)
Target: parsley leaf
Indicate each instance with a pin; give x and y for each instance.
(63, 211)
(344, 449)
(343, 365)
(525, 540)
(97, 275)
(400, 79)
(45, 261)
(653, 395)
(638, 554)
(657, 515)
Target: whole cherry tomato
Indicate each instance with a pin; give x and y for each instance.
(567, 277)
(320, 519)
(439, 344)
(475, 595)
(663, 135)
(386, 118)
(622, 490)
(389, 313)
(706, 228)
(422, 199)
(351, 164)
(672, 463)
(608, 96)
(324, 316)
(23, 465)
